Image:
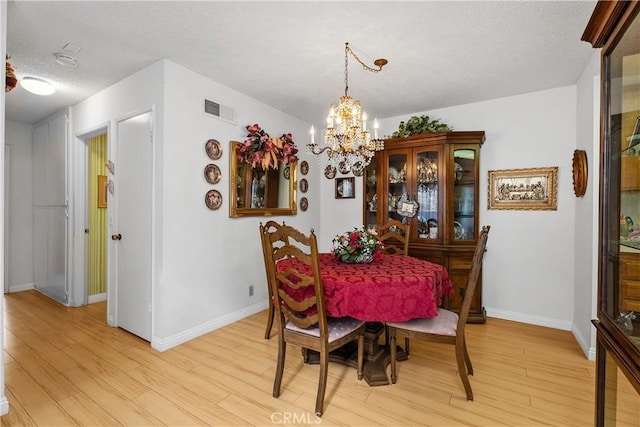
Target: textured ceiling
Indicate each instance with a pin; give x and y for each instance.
(291, 54)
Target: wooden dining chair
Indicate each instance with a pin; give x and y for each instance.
(447, 327)
(300, 306)
(269, 226)
(394, 235)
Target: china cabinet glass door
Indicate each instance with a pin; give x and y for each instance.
(622, 300)
(615, 27)
(427, 195)
(396, 183)
(371, 197)
(464, 194)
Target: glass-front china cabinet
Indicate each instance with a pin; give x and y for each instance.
(430, 181)
(615, 27)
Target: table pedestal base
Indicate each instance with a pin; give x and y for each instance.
(376, 356)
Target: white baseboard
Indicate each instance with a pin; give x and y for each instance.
(22, 287)
(162, 344)
(585, 345)
(4, 406)
(565, 325)
(97, 298)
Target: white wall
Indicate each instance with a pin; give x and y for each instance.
(137, 93)
(4, 403)
(20, 203)
(586, 211)
(207, 285)
(528, 270)
(204, 260)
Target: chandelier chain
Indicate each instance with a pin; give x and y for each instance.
(347, 51)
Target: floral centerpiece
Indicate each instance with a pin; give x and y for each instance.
(357, 246)
(261, 149)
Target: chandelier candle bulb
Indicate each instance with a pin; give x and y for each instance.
(376, 125)
(364, 120)
(313, 134)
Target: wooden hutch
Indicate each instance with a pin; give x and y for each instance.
(615, 27)
(440, 173)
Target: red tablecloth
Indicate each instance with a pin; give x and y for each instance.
(392, 288)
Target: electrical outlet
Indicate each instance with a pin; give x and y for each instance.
(250, 290)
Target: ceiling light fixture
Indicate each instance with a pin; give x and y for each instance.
(347, 139)
(37, 86)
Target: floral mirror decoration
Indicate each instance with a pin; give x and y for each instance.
(260, 149)
(11, 81)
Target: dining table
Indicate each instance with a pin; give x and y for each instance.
(390, 288)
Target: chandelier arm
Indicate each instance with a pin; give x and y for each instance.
(317, 150)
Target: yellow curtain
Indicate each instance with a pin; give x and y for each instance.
(97, 217)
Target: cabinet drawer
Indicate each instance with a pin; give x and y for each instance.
(630, 289)
(630, 266)
(456, 263)
(630, 173)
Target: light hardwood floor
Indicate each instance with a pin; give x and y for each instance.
(65, 366)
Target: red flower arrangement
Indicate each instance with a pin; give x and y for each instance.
(357, 246)
(261, 149)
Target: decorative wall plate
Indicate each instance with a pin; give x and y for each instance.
(406, 207)
(213, 149)
(304, 167)
(343, 167)
(286, 172)
(357, 169)
(304, 185)
(212, 173)
(213, 199)
(330, 172)
(580, 173)
(304, 204)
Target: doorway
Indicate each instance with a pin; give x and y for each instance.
(96, 230)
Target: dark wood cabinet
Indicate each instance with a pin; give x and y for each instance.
(615, 27)
(431, 182)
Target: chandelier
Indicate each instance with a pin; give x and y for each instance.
(348, 143)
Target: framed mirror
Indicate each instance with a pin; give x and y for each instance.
(259, 192)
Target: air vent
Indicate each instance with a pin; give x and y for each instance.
(223, 112)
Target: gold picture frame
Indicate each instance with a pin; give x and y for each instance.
(102, 191)
(524, 189)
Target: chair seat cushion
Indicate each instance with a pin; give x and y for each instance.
(338, 327)
(446, 323)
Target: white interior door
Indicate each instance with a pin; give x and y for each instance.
(133, 176)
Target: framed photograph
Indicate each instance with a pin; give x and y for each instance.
(102, 191)
(345, 188)
(524, 189)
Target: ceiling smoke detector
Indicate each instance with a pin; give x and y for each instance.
(66, 60)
